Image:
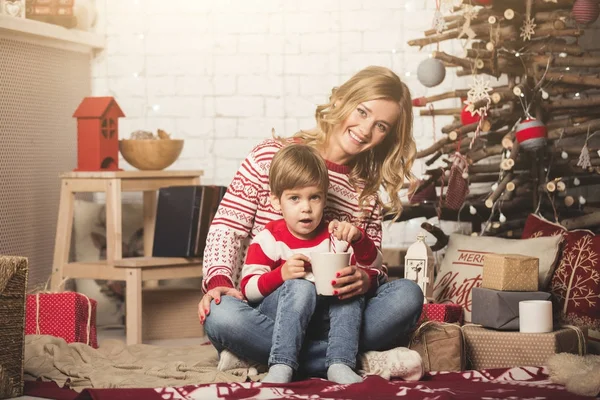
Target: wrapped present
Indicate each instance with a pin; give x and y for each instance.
(446, 312)
(510, 272)
(487, 348)
(13, 281)
(499, 309)
(68, 315)
(440, 346)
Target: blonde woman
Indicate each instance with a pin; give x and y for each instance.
(364, 133)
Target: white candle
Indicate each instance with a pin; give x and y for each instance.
(535, 316)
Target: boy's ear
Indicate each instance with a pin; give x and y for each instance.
(275, 202)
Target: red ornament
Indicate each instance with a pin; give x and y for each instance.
(531, 134)
(98, 134)
(467, 118)
(419, 102)
(585, 11)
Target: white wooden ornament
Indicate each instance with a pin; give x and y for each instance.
(14, 8)
(419, 266)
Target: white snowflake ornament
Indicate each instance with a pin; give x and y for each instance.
(439, 23)
(447, 6)
(480, 90)
(528, 28)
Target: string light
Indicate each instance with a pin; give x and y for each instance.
(582, 200)
(502, 218)
(472, 210)
(576, 182)
(564, 155)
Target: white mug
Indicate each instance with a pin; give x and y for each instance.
(324, 268)
(535, 316)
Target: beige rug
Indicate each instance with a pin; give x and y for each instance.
(116, 365)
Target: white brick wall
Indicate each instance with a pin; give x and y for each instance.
(222, 73)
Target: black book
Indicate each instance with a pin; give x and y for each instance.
(177, 216)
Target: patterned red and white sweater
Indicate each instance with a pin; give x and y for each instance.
(275, 244)
(246, 209)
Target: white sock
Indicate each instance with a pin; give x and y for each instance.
(228, 361)
(341, 373)
(279, 373)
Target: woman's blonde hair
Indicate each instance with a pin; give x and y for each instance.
(297, 166)
(390, 162)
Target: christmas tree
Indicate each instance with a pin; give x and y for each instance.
(526, 143)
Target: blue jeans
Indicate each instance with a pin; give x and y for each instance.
(246, 331)
(293, 305)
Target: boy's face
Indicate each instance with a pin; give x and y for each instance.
(302, 209)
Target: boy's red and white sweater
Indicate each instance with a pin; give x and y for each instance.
(246, 209)
(274, 245)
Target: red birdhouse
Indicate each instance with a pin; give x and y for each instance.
(98, 134)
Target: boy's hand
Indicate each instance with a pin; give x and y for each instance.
(345, 231)
(294, 267)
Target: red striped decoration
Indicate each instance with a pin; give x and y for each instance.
(531, 134)
(585, 11)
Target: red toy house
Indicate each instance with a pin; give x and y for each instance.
(98, 134)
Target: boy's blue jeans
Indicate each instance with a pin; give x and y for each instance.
(246, 331)
(293, 306)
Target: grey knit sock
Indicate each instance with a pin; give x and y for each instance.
(279, 373)
(341, 373)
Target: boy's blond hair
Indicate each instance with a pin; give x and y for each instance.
(297, 166)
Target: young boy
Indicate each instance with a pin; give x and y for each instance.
(278, 264)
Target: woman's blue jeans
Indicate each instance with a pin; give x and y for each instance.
(246, 331)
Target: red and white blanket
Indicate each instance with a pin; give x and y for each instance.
(529, 383)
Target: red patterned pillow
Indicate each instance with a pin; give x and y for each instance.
(575, 283)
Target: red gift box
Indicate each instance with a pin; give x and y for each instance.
(446, 312)
(68, 315)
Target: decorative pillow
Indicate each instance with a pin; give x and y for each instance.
(576, 282)
(462, 266)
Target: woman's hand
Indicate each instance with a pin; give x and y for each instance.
(352, 281)
(215, 294)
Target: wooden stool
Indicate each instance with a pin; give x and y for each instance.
(132, 270)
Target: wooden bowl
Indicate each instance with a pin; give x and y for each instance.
(151, 155)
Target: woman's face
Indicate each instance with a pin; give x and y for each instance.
(367, 126)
